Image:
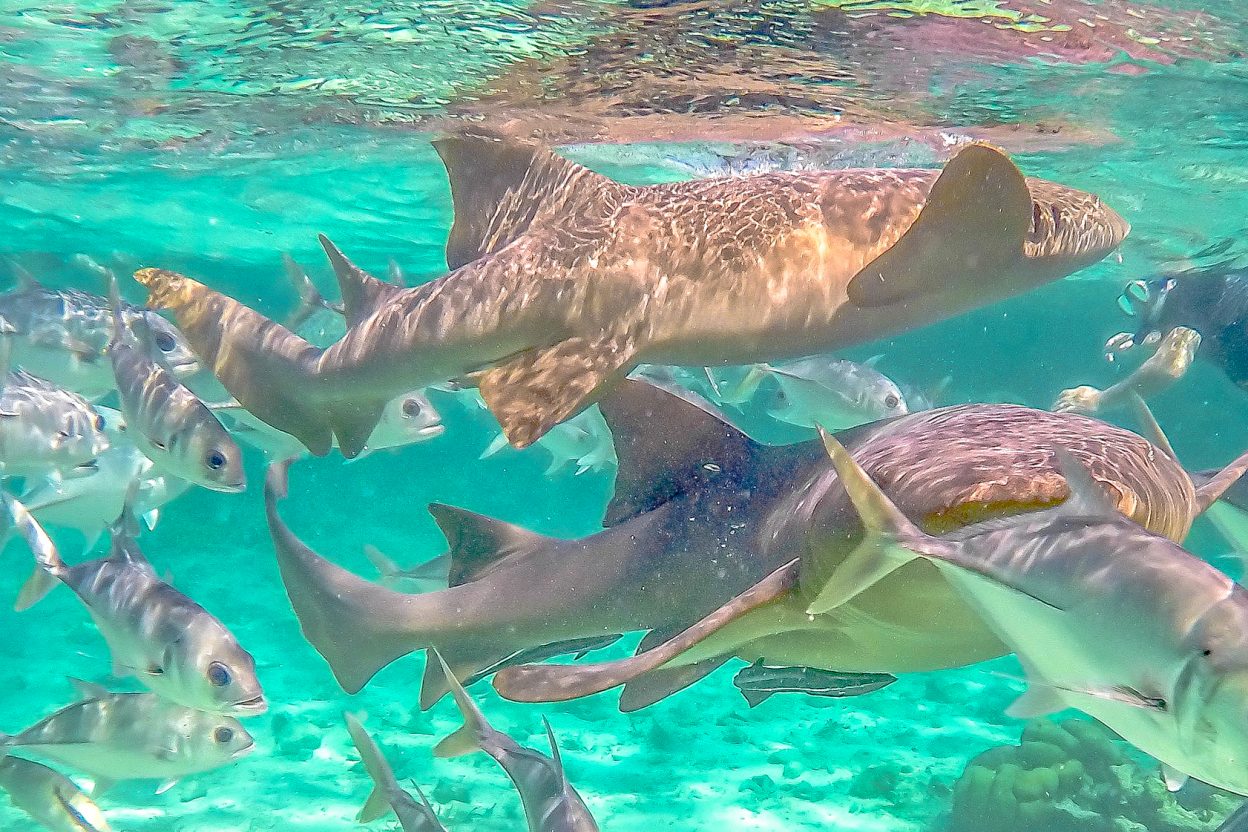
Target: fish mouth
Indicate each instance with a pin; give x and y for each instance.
(430, 432)
(244, 751)
(254, 706)
(228, 487)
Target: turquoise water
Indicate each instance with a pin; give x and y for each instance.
(212, 137)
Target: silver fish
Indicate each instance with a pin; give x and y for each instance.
(831, 392)
(1105, 616)
(583, 441)
(550, 802)
(759, 682)
(133, 736)
(172, 645)
(51, 798)
(387, 795)
(46, 430)
(92, 502)
(167, 421)
(62, 335)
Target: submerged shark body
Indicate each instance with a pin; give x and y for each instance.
(701, 513)
(564, 280)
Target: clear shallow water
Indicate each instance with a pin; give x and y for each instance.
(212, 137)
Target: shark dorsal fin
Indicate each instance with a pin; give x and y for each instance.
(501, 186)
(666, 443)
(1087, 498)
(361, 292)
(479, 544)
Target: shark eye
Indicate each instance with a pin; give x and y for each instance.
(215, 460)
(219, 675)
(223, 735)
(165, 342)
(891, 401)
(411, 408)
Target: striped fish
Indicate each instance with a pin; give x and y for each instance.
(387, 795)
(172, 645)
(51, 798)
(550, 802)
(168, 422)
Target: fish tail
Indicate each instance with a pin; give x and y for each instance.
(268, 369)
(384, 565)
(114, 305)
(476, 733)
(48, 564)
(378, 804)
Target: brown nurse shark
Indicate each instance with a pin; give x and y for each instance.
(701, 514)
(563, 280)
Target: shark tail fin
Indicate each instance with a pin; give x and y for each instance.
(48, 564)
(377, 805)
(500, 187)
(361, 292)
(476, 731)
(267, 368)
(889, 541)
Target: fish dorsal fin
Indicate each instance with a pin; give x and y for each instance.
(1152, 430)
(88, 690)
(500, 186)
(479, 544)
(1087, 498)
(361, 292)
(555, 757)
(1226, 482)
(970, 230)
(666, 444)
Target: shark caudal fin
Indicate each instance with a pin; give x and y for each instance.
(501, 187)
(971, 230)
(889, 539)
(268, 369)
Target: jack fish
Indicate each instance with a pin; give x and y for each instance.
(51, 798)
(387, 796)
(133, 736)
(173, 428)
(550, 802)
(831, 392)
(1104, 615)
(757, 509)
(172, 645)
(47, 431)
(562, 281)
(62, 335)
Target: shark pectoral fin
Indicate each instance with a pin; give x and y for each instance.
(1038, 700)
(970, 230)
(889, 541)
(1217, 483)
(657, 685)
(540, 388)
(1173, 778)
(557, 683)
(264, 366)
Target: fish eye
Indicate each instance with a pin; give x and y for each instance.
(99, 422)
(165, 342)
(1206, 652)
(411, 408)
(219, 675)
(223, 735)
(891, 401)
(64, 434)
(215, 460)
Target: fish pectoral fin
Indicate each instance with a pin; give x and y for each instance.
(1173, 778)
(557, 683)
(166, 786)
(536, 390)
(376, 806)
(970, 230)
